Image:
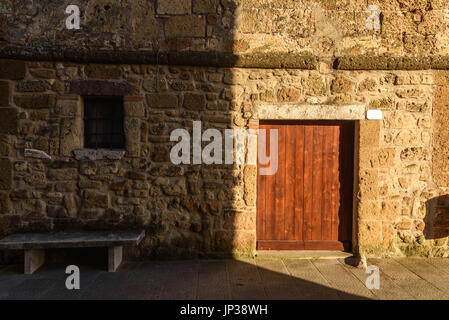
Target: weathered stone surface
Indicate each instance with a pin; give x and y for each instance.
(12, 69)
(162, 100)
(6, 148)
(134, 109)
(400, 170)
(9, 121)
(132, 132)
(35, 101)
(43, 73)
(193, 101)
(71, 135)
(6, 174)
(57, 212)
(5, 93)
(185, 26)
(38, 154)
(250, 178)
(63, 174)
(369, 133)
(174, 7)
(32, 86)
(176, 189)
(205, 6)
(370, 233)
(289, 95)
(102, 71)
(144, 25)
(95, 199)
(342, 85)
(94, 154)
(69, 107)
(440, 137)
(308, 112)
(100, 87)
(369, 184)
(5, 203)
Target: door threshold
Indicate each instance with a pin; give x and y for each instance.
(303, 254)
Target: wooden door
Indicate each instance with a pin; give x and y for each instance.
(307, 203)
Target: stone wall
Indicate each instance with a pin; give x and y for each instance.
(205, 209)
(325, 28)
(177, 61)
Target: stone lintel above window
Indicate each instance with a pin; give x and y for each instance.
(100, 88)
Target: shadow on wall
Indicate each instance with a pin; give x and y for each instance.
(437, 219)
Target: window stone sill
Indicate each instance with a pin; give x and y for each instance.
(98, 154)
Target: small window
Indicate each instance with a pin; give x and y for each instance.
(103, 123)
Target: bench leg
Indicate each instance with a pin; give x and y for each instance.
(34, 259)
(115, 258)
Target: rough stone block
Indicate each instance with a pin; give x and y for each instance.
(71, 135)
(289, 95)
(250, 178)
(185, 26)
(132, 134)
(143, 21)
(368, 185)
(342, 85)
(162, 100)
(63, 174)
(174, 6)
(194, 101)
(95, 199)
(5, 93)
(99, 88)
(43, 73)
(369, 133)
(369, 210)
(69, 107)
(205, 6)
(6, 174)
(134, 109)
(6, 149)
(12, 69)
(314, 85)
(32, 86)
(9, 121)
(370, 233)
(35, 101)
(102, 71)
(5, 203)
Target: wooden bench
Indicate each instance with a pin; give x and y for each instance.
(34, 244)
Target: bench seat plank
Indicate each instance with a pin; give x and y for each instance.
(83, 239)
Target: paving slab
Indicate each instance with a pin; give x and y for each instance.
(388, 289)
(245, 280)
(259, 278)
(418, 287)
(213, 281)
(428, 272)
(350, 287)
(182, 281)
(310, 281)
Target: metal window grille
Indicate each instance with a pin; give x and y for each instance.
(103, 123)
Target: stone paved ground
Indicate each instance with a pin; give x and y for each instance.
(260, 278)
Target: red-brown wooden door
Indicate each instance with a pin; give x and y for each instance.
(307, 204)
